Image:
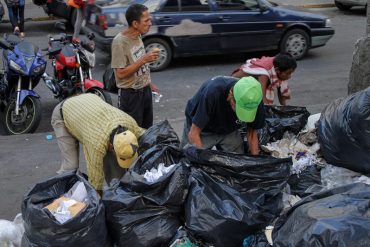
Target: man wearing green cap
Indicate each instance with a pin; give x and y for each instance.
(217, 111)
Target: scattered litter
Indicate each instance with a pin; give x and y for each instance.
(49, 137)
(11, 232)
(154, 174)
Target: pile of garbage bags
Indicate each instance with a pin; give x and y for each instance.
(296, 194)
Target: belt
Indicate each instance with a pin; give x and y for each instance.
(61, 110)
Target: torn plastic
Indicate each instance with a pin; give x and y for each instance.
(159, 133)
(155, 173)
(344, 132)
(233, 195)
(11, 232)
(338, 217)
(88, 228)
(141, 213)
(333, 176)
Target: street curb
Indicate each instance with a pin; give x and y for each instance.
(36, 19)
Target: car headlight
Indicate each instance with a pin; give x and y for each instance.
(16, 67)
(39, 69)
(327, 23)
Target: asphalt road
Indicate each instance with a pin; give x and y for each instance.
(319, 79)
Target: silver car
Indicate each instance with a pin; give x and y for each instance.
(347, 4)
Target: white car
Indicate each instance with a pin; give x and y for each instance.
(347, 4)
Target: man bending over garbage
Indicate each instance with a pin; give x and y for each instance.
(107, 134)
(217, 111)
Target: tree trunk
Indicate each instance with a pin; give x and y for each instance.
(359, 77)
(368, 18)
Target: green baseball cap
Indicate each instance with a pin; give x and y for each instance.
(248, 95)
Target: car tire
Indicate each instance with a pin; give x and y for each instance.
(296, 42)
(165, 54)
(342, 6)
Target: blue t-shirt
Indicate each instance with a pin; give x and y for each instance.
(210, 111)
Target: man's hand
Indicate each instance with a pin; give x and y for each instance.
(194, 136)
(153, 87)
(151, 56)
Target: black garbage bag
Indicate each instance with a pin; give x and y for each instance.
(344, 132)
(159, 133)
(231, 195)
(88, 228)
(338, 217)
(280, 119)
(109, 80)
(142, 213)
(307, 178)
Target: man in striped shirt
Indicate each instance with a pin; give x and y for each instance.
(107, 134)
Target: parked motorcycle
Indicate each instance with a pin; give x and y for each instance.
(23, 65)
(72, 68)
(1, 11)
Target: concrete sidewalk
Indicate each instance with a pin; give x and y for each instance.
(36, 13)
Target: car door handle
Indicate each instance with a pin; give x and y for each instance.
(224, 17)
(164, 18)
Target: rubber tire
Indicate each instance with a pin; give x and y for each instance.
(101, 93)
(341, 6)
(165, 52)
(35, 121)
(290, 34)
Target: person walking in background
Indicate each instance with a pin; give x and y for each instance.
(16, 15)
(130, 63)
(272, 73)
(217, 111)
(108, 135)
(79, 7)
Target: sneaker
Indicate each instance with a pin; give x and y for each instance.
(22, 34)
(16, 31)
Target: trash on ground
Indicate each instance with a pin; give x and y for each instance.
(344, 132)
(336, 217)
(11, 232)
(86, 228)
(233, 195)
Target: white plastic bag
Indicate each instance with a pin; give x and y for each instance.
(11, 232)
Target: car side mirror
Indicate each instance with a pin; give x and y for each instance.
(5, 45)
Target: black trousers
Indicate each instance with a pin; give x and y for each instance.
(138, 104)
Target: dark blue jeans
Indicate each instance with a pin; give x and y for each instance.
(16, 16)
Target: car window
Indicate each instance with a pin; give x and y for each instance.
(171, 6)
(237, 4)
(194, 5)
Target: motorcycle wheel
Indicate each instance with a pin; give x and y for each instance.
(28, 118)
(104, 95)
